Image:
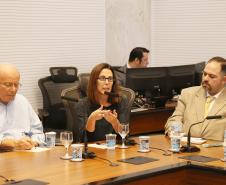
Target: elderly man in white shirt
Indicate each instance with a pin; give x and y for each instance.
(20, 127)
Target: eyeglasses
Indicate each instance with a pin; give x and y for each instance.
(103, 78)
(9, 85)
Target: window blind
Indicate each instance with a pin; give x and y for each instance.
(185, 32)
(36, 35)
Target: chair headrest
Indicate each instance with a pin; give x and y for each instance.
(63, 74)
(84, 80)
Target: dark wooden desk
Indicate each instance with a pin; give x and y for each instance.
(148, 121)
(47, 166)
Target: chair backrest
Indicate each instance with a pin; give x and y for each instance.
(84, 80)
(69, 98)
(130, 94)
(51, 88)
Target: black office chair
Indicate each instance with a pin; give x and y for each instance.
(53, 114)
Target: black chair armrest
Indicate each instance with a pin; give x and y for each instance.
(42, 114)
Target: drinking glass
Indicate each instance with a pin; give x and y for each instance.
(123, 130)
(66, 138)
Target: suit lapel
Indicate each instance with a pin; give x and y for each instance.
(217, 106)
(200, 98)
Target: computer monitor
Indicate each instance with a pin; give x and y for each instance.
(180, 77)
(199, 67)
(147, 81)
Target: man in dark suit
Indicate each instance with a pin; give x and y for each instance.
(138, 58)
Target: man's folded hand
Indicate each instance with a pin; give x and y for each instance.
(7, 145)
(25, 144)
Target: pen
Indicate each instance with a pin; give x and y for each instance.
(40, 141)
(212, 145)
(28, 134)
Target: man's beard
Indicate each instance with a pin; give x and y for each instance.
(206, 86)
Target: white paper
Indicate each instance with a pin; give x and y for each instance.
(194, 140)
(35, 149)
(101, 146)
(140, 109)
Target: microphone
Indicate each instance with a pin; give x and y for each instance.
(111, 94)
(188, 147)
(214, 117)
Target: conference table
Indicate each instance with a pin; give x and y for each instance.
(48, 167)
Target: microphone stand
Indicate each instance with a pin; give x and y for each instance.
(86, 154)
(188, 147)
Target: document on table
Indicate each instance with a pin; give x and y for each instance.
(36, 149)
(194, 140)
(101, 145)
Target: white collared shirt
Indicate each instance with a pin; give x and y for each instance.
(214, 98)
(18, 117)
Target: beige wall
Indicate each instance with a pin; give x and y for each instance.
(127, 26)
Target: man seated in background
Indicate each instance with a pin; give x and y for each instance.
(196, 103)
(138, 58)
(20, 127)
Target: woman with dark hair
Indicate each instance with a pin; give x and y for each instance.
(100, 113)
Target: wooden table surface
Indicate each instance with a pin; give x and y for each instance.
(47, 166)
